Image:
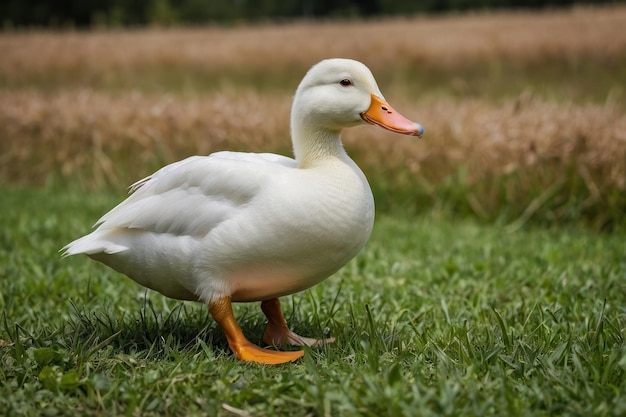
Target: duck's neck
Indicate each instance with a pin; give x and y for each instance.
(313, 146)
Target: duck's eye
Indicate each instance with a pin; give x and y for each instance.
(345, 82)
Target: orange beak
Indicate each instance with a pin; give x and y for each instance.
(382, 114)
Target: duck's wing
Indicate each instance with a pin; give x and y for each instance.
(183, 166)
(186, 198)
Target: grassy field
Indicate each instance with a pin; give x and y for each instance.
(435, 317)
(494, 283)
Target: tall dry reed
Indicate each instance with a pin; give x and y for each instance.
(526, 157)
(572, 34)
(100, 139)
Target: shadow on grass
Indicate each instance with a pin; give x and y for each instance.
(146, 332)
(151, 333)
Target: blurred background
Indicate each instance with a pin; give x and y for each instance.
(522, 101)
(139, 12)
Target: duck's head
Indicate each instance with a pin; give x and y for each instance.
(338, 93)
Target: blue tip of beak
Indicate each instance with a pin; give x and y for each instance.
(420, 129)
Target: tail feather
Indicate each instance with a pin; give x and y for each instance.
(91, 244)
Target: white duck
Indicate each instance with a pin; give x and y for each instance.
(239, 227)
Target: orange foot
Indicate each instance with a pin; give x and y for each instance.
(222, 312)
(251, 353)
(277, 332)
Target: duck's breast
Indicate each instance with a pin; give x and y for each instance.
(302, 228)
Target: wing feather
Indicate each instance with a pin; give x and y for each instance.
(192, 196)
(187, 198)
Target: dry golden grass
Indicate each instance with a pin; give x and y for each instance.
(102, 139)
(106, 138)
(573, 34)
(520, 155)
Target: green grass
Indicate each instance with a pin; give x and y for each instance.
(437, 316)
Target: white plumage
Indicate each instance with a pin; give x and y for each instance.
(248, 227)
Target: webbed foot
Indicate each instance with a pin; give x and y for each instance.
(222, 312)
(277, 332)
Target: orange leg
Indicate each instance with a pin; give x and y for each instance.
(222, 312)
(277, 332)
